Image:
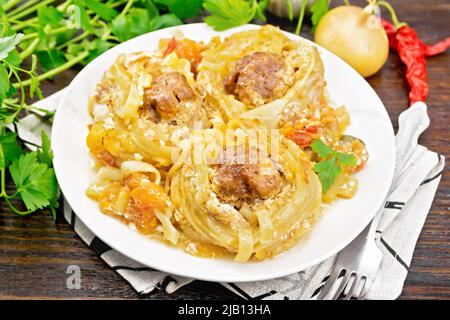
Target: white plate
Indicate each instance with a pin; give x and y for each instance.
(340, 224)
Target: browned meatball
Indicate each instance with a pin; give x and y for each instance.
(258, 78)
(263, 179)
(230, 183)
(169, 94)
(235, 180)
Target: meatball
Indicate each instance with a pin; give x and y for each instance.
(258, 78)
(235, 180)
(230, 183)
(169, 94)
(263, 179)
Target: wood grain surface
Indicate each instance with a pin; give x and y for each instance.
(35, 251)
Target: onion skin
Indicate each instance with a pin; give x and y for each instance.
(355, 35)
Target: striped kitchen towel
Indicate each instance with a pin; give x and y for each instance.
(418, 172)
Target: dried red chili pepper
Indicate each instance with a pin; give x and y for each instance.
(390, 31)
(413, 52)
(430, 50)
(437, 48)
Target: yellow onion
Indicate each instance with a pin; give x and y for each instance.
(356, 35)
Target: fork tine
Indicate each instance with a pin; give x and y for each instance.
(342, 286)
(355, 285)
(364, 290)
(329, 284)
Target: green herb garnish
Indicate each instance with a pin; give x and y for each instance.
(33, 176)
(330, 166)
(182, 8)
(40, 39)
(226, 14)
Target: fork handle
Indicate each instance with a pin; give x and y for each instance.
(374, 224)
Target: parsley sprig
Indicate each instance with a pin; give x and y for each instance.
(330, 166)
(32, 174)
(40, 39)
(226, 14)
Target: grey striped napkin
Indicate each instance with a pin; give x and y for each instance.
(418, 172)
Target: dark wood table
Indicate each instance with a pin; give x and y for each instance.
(35, 251)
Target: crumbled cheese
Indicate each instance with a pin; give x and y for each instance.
(101, 112)
(145, 80)
(191, 248)
(109, 123)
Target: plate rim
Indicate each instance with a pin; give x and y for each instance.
(199, 276)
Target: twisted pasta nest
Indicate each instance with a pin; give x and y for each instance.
(258, 207)
(186, 150)
(249, 77)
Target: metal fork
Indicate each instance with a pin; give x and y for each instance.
(357, 264)
(360, 261)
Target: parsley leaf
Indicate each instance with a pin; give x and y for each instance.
(321, 148)
(50, 59)
(8, 44)
(119, 28)
(318, 9)
(346, 159)
(138, 22)
(331, 166)
(182, 8)
(152, 9)
(165, 21)
(49, 16)
(35, 182)
(105, 12)
(227, 14)
(13, 58)
(328, 171)
(96, 48)
(11, 148)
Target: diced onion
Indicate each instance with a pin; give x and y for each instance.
(108, 174)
